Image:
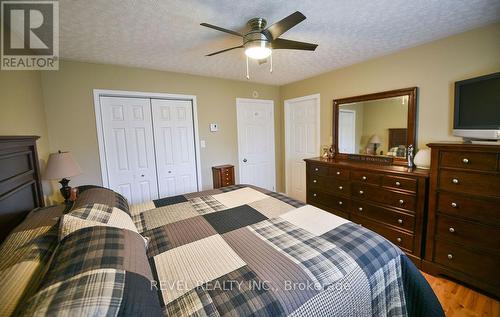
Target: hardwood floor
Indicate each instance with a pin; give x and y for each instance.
(458, 300)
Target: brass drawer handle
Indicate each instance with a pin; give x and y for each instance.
(338, 173)
(399, 239)
(401, 202)
(454, 205)
(340, 187)
(398, 184)
(451, 229)
(364, 178)
(315, 181)
(400, 221)
(360, 208)
(361, 192)
(450, 256)
(454, 181)
(316, 169)
(465, 160)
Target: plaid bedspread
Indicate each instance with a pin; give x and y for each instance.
(244, 251)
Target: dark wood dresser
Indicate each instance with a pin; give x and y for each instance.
(223, 175)
(463, 230)
(389, 200)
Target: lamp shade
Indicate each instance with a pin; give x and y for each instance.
(61, 165)
(423, 159)
(375, 139)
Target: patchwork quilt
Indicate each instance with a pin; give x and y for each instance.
(245, 251)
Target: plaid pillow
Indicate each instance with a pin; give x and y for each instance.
(97, 271)
(96, 215)
(25, 257)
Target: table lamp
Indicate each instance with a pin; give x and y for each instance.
(62, 165)
(375, 140)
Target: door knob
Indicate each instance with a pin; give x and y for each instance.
(244, 160)
(142, 175)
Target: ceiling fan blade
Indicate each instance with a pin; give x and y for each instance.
(218, 28)
(292, 45)
(280, 27)
(227, 49)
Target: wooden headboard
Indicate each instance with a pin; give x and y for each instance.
(20, 184)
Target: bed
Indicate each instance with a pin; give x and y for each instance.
(233, 251)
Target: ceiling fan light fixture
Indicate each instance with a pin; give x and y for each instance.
(258, 49)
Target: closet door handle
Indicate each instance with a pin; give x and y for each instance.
(245, 160)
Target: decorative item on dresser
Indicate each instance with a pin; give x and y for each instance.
(223, 175)
(463, 230)
(20, 186)
(390, 200)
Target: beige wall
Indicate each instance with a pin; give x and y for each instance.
(68, 98)
(22, 111)
(432, 67)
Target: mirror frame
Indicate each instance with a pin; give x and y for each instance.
(411, 124)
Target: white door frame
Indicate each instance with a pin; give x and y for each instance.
(240, 156)
(288, 103)
(353, 126)
(98, 93)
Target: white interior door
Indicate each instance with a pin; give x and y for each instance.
(302, 141)
(255, 119)
(175, 146)
(129, 148)
(347, 131)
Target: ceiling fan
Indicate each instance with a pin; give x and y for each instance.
(260, 41)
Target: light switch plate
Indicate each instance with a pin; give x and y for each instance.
(214, 127)
(202, 144)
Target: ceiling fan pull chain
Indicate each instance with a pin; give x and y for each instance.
(248, 74)
(271, 62)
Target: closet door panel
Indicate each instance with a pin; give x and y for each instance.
(129, 147)
(175, 148)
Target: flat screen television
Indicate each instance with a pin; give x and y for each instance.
(477, 108)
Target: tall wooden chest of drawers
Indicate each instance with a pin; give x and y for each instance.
(463, 230)
(223, 175)
(390, 200)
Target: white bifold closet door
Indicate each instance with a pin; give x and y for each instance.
(129, 147)
(174, 143)
(149, 147)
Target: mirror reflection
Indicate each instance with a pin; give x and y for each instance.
(375, 127)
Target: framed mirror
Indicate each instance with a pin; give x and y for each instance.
(376, 127)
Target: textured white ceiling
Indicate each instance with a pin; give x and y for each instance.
(166, 35)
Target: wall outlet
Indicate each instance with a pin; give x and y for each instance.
(214, 127)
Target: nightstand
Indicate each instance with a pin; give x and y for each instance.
(223, 175)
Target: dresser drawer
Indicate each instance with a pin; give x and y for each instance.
(326, 199)
(377, 194)
(468, 234)
(329, 184)
(340, 173)
(469, 160)
(475, 264)
(399, 238)
(470, 182)
(316, 169)
(385, 215)
(366, 177)
(484, 210)
(409, 184)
